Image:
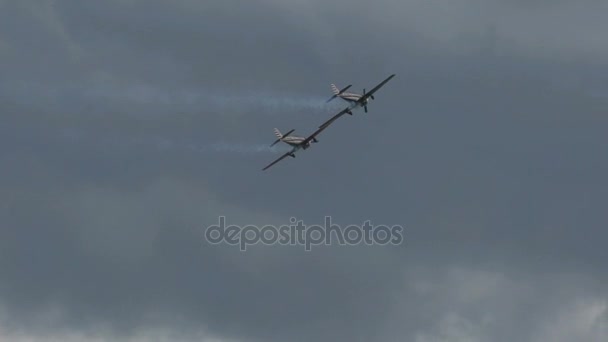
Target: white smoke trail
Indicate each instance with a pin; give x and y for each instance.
(165, 144)
(149, 99)
(273, 102)
(222, 147)
(170, 100)
(244, 148)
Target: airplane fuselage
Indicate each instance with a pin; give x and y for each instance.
(294, 141)
(350, 97)
(296, 144)
(353, 101)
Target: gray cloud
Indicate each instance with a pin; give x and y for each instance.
(488, 147)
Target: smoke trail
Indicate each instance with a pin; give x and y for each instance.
(243, 148)
(166, 144)
(273, 102)
(152, 98)
(221, 147)
(195, 100)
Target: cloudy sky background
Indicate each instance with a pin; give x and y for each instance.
(127, 127)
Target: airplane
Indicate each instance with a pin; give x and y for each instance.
(296, 143)
(354, 100)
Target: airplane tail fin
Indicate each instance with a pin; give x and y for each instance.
(280, 135)
(337, 92)
(335, 89)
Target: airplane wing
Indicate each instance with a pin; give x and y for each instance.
(319, 130)
(276, 161)
(334, 118)
(375, 89)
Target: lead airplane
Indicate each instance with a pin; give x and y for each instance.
(354, 100)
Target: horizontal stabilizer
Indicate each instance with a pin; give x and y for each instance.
(345, 88)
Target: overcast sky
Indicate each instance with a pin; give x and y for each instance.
(128, 127)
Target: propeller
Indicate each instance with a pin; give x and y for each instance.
(364, 107)
(284, 135)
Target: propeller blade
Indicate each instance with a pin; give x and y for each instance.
(365, 108)
(373, 98)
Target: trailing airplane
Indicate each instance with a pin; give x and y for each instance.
(354, 100)
(295, 142)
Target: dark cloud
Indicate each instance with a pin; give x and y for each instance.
(488, 147)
